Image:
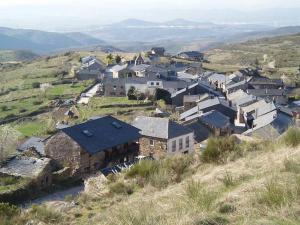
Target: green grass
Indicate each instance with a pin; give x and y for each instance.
(31, 128)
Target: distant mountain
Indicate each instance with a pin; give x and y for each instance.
(43, 42)
(133, 23)
(19, 55)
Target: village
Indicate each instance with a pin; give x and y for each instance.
(190, 105)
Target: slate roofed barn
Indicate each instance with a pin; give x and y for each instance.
(162, 136)
(191, 55)
(94, 144)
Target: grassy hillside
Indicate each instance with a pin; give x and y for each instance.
(284, 51)
(255, 183)
(16, 56)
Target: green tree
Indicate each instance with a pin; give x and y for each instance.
(131, 94)
(109, 58)
(118, 59)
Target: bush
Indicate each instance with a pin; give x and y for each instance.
(292, 165)
(43, 214)
(216, 220)
(121, 188)
(226, 208)
(292, 137)
(218, 149)
(143, 169)
(179, 165)
(4, 108)
(8, 211)
(36, 85)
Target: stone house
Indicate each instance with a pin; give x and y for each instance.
(161, 136)
(92, 69)
(88, 147)
(199, 88)
(39, 171)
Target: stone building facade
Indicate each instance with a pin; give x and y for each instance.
(65, 152)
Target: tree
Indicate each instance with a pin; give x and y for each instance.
(109, 58)
(131, 94)
(8, 141)
(118, 59)
(161, 94)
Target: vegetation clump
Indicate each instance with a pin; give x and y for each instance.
(218, 149)
(292, 137)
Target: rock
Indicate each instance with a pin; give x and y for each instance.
(96, 186)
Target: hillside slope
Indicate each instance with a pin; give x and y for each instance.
(260, 185)
(16, 56)
(284, 51)
(41, 41)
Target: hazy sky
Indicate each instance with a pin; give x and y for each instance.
(53, 14)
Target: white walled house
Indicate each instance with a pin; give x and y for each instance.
(161, 136)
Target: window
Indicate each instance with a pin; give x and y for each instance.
(173, 146)
(122, 87)
(115, 87)
(152, 83)
(157, 83)
(187, 142)
(180, 144)
(151, 142)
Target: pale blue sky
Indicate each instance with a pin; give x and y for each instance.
(71, 14)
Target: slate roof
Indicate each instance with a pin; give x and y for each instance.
(160, 127)
(141, 67)
(118, 68)
(203, 105)
(101, 134)
(220, 78)
(36, 142)
(215, 119)
(25, 166)
(191, 54)
(266, 92)
(270, 125)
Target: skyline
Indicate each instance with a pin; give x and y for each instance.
(77, 15)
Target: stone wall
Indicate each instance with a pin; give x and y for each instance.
(64, 151)
(158, 150)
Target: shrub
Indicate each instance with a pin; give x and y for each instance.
(292, 137)
(37, 102)
(200, 196)
(226, 208)
(215, 220)
(178, 165)
(4, 108)
(36, 85)
(160, 178)
(143, 169)
(7, 211)
(275, 194)
(121, 188)
(292, 165)
(43, 214)
(218, 149)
